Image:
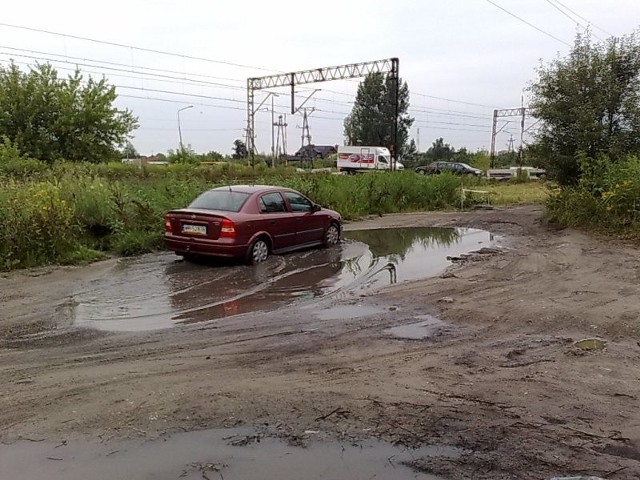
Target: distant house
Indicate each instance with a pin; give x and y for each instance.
(316, 151)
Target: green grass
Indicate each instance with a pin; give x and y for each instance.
(78, 212)
(518, 193)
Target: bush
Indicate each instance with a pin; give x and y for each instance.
(73, 212)
(607, 197)
(37, 225)
(14, 164)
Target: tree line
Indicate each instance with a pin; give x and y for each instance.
(588, 105)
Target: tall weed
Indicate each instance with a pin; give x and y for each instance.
(607, 197)
(74, 211)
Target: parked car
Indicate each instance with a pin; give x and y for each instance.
(458, 168)
(250, 222)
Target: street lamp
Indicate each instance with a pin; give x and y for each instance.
(179, 129)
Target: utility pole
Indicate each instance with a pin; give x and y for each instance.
(282, 135)
(395, 72)
(273, 141)
(179, 128)
(521, 132)
(510, 144)
(251, 113)
(306, 132)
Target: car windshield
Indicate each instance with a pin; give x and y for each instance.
(225, 200)
(467, 166)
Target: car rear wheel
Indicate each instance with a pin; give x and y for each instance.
(258, 252)
(331, 235)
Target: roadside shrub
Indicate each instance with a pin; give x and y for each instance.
(14, 164)
(378, 193)
(73, 211)
(607, 197)
(37, 225)
(136, 242)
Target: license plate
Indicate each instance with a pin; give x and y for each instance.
(195, 229)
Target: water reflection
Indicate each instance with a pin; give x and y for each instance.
(406, 254)
(399, 241)
(205, 291)
(157, 291)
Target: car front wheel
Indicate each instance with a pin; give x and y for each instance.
(258, 252)
(331, 235)
(422, 172)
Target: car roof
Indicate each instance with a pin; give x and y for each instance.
(249, 188)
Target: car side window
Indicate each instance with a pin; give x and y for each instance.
(272, 203)
(298, 202)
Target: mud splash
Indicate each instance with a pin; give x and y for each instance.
(158, 291)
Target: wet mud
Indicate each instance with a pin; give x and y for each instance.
(229, 454)
(519, 358)
(159, 291)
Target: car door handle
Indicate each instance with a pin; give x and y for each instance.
(272, 222)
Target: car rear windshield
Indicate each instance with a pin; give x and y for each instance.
(225, 200)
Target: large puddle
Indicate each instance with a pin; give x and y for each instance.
(213, 455)
(158, 291)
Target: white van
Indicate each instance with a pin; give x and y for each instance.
(361, 159)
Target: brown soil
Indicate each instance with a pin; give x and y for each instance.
(505, 382)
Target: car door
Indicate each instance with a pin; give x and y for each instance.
(310, 224)
(276, 219)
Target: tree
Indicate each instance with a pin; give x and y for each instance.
(129, 151)
(50, 118)
(371, 119)
(240, 149)
(589, 104)
(410, 157)
(440, 151)
(213, 156)
(184, 154)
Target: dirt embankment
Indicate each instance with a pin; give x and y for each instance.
(504, 380)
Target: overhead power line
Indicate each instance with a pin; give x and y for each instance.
(582, 18)
(529, 23)
(129, 67)
(454, 101)
(168, 79)
(181, 102)
(577, 22)
(133, 47)
(144, 71)
(142, 75)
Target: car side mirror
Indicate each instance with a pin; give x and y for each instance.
(316, 208)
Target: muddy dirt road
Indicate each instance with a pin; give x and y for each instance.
(479, 366)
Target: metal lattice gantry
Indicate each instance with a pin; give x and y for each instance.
(506, 112)
(341, 72)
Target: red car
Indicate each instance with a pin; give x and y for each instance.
(250, 222)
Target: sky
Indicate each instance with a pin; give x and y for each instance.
(186, 63)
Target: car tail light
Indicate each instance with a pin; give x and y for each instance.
(167, 224)
(227, 228)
